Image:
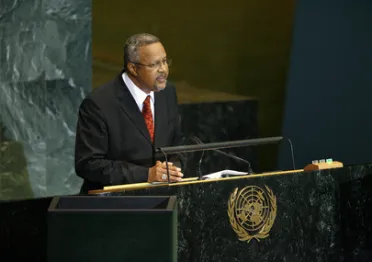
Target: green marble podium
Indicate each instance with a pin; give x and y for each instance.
(286, 216)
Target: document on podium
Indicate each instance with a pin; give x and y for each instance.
(224, 173)
(219, 174)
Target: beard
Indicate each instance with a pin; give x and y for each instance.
(159, 86)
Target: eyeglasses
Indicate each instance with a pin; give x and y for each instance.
(157, 65)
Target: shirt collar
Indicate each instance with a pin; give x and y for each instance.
(138, 95)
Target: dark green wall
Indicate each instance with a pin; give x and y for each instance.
(328, 100)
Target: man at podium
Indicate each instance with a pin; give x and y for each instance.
(122, 122)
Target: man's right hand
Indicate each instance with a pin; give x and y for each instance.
(157, 172)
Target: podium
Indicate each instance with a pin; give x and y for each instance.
(112, 228)
(295, 215)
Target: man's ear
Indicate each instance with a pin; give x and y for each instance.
(132, 69)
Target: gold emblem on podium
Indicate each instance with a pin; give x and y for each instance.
(252, 212)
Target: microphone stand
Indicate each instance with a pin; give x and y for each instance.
(166, 164)
(250, 171)
(198, 141)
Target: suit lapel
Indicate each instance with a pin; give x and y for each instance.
(130, 108)
(160, 116)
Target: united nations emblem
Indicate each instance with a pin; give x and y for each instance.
(252, 212)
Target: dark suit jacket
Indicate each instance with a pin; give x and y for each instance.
(113, 145)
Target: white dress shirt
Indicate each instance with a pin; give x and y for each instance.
(138, 95)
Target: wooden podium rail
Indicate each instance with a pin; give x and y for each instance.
(186, 181)
(195, 180)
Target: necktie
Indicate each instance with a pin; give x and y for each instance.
(147, 114)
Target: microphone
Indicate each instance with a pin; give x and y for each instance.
(198, 141)
(292, 154)
(166, 165)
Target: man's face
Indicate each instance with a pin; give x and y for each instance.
(152, 67)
